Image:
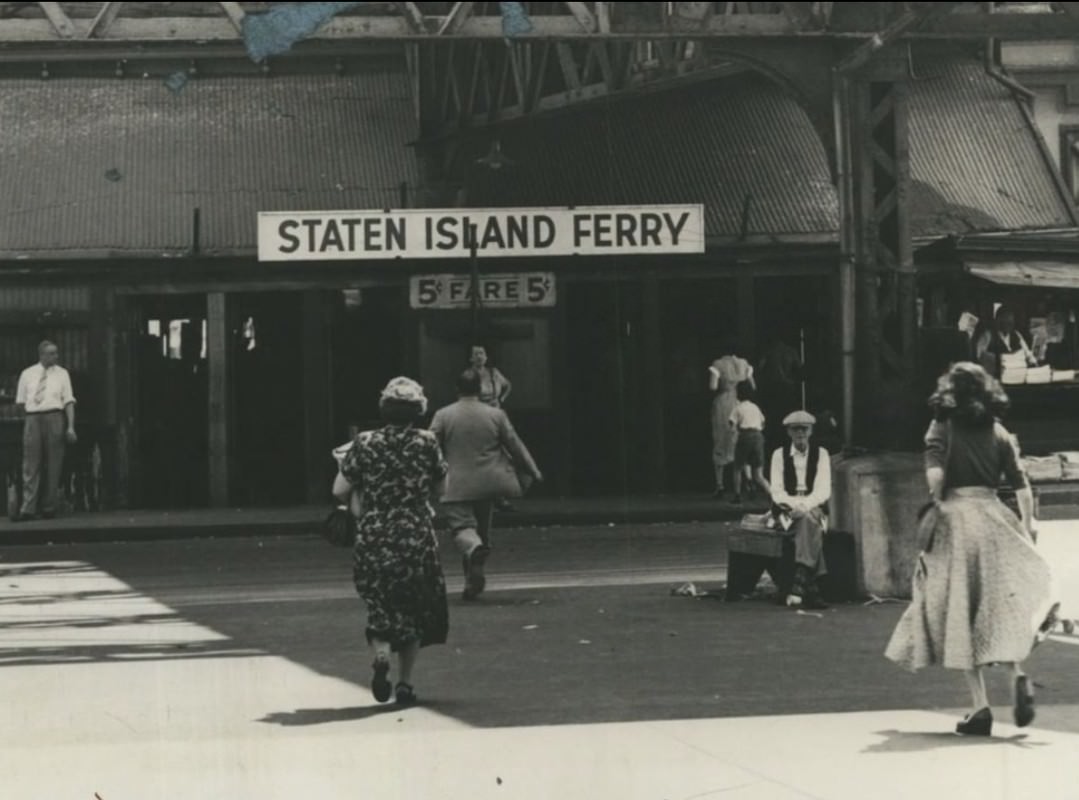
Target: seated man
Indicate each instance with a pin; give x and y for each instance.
(801, 478)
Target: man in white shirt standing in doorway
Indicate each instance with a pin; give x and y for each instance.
(45, 395)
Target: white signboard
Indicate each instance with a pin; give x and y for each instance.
(519, 290)
(501, 232)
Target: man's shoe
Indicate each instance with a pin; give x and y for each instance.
(49, 515)
(980, 723)
(1024, 701)
(475, 580)
(24, 518)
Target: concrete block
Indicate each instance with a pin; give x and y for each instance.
(876, 498)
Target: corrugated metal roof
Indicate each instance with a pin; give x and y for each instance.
(975, 160)
(716, 144)
(100, 165)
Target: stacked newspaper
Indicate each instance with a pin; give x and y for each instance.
(1040, 375)
(1013, 368)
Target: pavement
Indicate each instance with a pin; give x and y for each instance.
(235, 668)
(1058, 501)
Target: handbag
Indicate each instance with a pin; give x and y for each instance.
(928, 513)
(339, 529)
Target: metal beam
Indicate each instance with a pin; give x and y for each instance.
(583, 16)
(456, 19)
(235, 14)
(104, 19)
(202, 29)
(58, 19)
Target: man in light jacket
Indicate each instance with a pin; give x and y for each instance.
(485, 457)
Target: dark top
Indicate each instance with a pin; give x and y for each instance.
(978, 456)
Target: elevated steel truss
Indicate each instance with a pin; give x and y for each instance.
(469, 74)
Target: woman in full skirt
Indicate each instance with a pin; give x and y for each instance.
(981, 592)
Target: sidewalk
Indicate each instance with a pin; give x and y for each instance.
(195, 523)
(138, 525)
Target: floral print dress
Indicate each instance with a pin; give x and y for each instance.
(396, 567)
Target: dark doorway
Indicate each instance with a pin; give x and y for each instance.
(699, 317)
(266, 390)
(604, 321)
(367, 350)
(171, 396)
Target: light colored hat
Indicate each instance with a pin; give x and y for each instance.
(406, 390)
(799, 418)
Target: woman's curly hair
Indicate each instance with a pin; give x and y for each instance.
(969, 395)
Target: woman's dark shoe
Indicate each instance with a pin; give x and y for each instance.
(1024, 701)
(980, 723)
(406, 695)
(381, 687)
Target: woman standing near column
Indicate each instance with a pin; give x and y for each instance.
(981, 593)
(723, 378)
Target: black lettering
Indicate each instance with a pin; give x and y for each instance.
(517, 231)
(579, 231)
(459, 290)
(372, 233)
(492, 234)
(513, 290)
(543, 231)
(285, 231)
(603, 230)
(427, 291)
(428, 233)
(449, 239)
(625, 230)
(536, 288)
(651, 225)
(395, 234)
(676, 229)
(331, 237)
(351, 224)
(491, 290)
(311, 225)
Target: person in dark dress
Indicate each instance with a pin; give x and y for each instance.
(981, 592)
(399, 471)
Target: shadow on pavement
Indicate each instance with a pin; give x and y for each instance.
(323, 716)
(923, 742)
(549, 656)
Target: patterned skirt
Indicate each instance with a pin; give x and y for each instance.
(981, 590)
(397, 573)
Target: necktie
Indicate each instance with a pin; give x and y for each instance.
(39, 392)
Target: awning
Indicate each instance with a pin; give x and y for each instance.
(1035, 274)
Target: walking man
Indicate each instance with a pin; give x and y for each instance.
(45, 395)
(485, 457)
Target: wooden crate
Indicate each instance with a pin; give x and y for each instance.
(757, 542)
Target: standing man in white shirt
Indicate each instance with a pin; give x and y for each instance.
(801, 488)
(45, 395)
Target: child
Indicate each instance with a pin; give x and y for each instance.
(748, 421)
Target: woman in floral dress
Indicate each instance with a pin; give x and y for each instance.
(399, 470)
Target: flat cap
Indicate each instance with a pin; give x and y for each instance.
(799, 418)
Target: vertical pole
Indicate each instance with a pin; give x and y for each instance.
(217, 333)
(654, 411)
(802, 347)
(841, 122)
(317, 411)
(474, 291)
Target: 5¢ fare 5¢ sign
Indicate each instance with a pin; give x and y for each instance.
(519, 290)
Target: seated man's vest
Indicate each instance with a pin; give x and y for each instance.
(790, 477)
